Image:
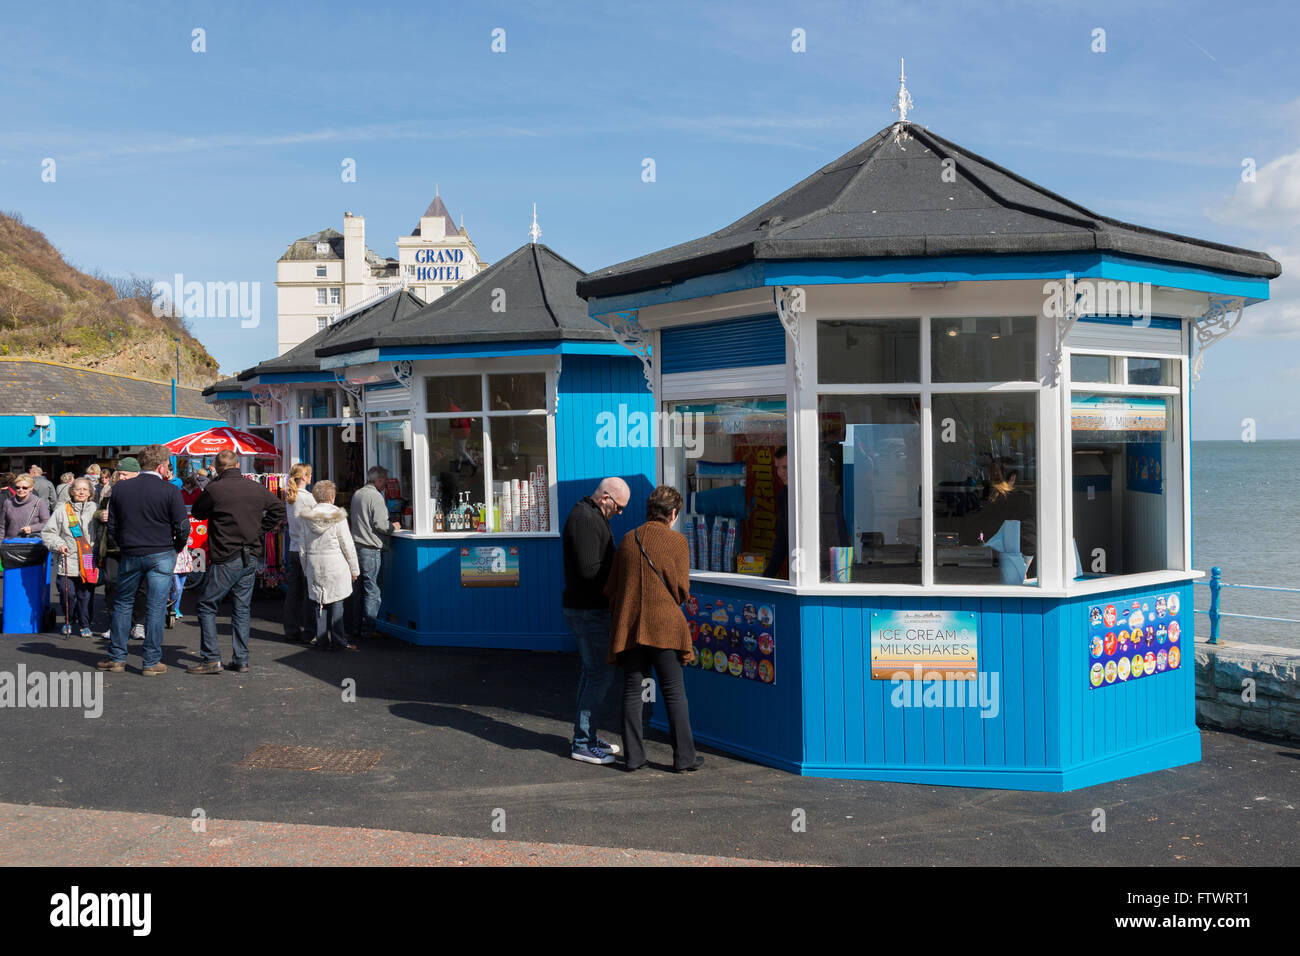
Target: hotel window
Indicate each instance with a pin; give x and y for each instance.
(1126, 465)
(322, 297)
(320, 272)
(876, 398)
(321, 322)
(489, 452)
(322, 248)
(336, 296)
(409, 269)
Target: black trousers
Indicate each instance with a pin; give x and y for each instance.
(637, 663)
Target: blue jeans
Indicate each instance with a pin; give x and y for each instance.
(330, 632)
(235, 578)
(156, 571)
(591, 630)
(365, 598)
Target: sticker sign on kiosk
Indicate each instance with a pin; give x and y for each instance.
(924, 645)
(496, 566)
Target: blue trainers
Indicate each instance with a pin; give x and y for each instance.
(591, 755)
(605, 745)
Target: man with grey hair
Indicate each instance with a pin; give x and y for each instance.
(371, 526)
(43, 488)
(588, 558)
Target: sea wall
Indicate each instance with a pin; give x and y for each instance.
(1250, 687)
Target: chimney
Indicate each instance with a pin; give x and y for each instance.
(354, 254)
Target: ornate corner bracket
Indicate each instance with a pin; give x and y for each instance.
(356, 392)
(261, 394)
(637, 340)
(555, 392)
(790, 306)
(1216, 323)
(404, 372)
(226, 410)
(1065, 320)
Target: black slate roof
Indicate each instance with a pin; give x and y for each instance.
(881, 199)
(536, 287)
(33, 387)
(437, 208)
(378, 315)
(232, 384)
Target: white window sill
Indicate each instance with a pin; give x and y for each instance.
(1075, 588)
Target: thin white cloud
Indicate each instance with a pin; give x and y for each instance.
(1271, 199)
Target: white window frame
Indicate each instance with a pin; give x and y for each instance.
(320, 272)
(336, 295)
(926, 389)
(1120, 355)
(420, 416)
(322, 295)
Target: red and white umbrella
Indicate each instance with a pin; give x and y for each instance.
(215, 440)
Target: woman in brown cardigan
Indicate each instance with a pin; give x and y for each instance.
(646, 587)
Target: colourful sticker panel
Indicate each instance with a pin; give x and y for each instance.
(1134, 638)
(733, 637)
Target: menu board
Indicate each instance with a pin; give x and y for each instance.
(924, 645)
(1134, 638)
(733, 636)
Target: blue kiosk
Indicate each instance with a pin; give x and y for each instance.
(978, 571)
(487, 408)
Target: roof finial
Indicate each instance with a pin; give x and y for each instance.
(534, 231)
(902, 103)
(435, 190)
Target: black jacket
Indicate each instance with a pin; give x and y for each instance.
(147, 516)
(239, 513)
(588, 557)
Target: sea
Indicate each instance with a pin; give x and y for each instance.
(1246, 521)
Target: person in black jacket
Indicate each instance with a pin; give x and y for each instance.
(239, 513)
(148, 521)
(588, 558)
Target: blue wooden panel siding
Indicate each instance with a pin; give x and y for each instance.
(732, 343)
(1051, 731)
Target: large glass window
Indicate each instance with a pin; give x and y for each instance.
(318, 403)
(392, 438)
(1002, 349)
(869, 488)
(488, 470)
(1126, 457)
(723, 458)
(985, 498)
(869, 350)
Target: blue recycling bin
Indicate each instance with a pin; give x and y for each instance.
(26, 585)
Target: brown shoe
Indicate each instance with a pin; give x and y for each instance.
(155, 670)
(204, 667)
(111, 666)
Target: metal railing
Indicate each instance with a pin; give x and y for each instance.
(1216, 585)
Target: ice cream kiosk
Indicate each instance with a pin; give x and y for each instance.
(932, 424)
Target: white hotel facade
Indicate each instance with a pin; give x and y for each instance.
(322, 276)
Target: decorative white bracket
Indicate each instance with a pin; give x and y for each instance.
(280, 393)
(226, 410)
(1064, 323)
(790, 305)
(555, 394)
(637, 340)
(356, 392)
(1216, 323)
(261, 394)
(404, 372)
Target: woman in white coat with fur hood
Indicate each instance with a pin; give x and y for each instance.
(329, 561)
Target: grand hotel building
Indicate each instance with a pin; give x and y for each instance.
(327, 274)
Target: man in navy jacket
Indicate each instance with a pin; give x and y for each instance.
(147, 519)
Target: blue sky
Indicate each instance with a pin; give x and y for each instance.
(211, 163)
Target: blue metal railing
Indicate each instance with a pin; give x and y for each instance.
(1215, 584)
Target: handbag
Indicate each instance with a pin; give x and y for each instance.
(85, 553)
